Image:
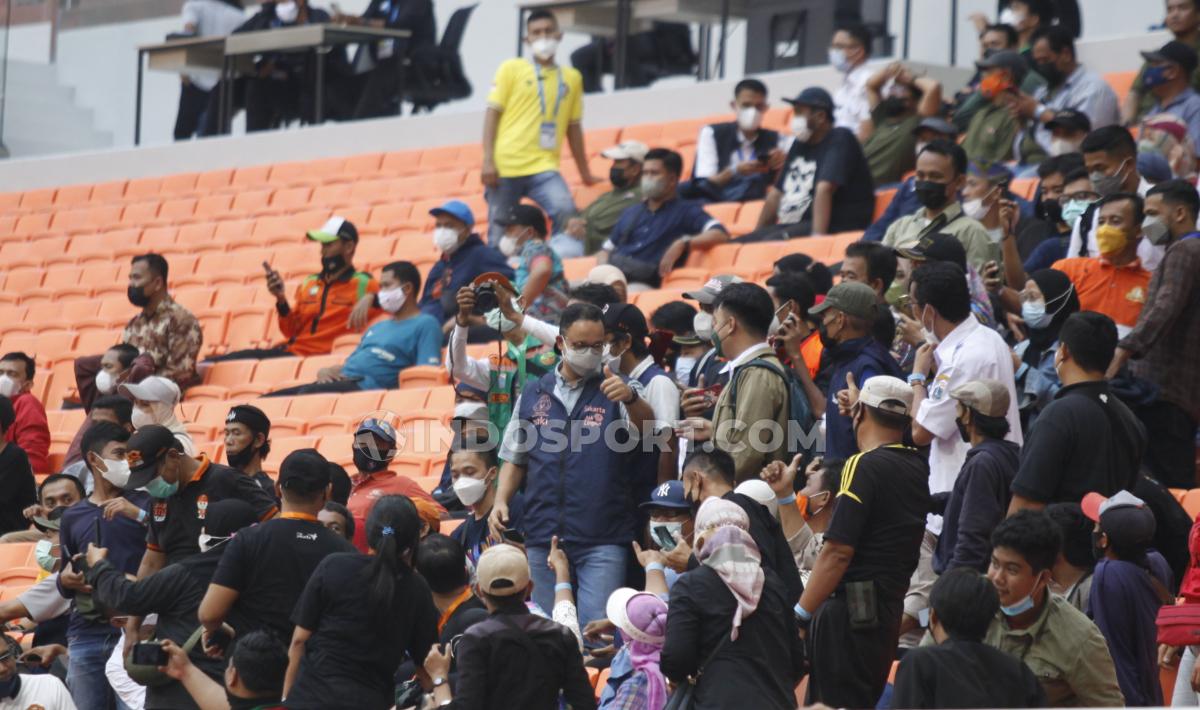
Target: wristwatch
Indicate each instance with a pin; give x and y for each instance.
(438, 682)
(916, 378)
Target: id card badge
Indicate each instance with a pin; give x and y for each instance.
(549, 135)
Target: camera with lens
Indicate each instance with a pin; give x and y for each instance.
(486, 298)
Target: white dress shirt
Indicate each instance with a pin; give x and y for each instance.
(477, 372)
(969, 352)
(211, 18)
(850, 105)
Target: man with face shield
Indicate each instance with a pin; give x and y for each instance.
(174, 592)
(154, 402)
(653, 236)
(576, 482)
(248, 442)
(825, 185)
(375, 445)
(464, 257)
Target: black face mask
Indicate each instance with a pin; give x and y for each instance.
(893, 106)
(987, 53)
(333, 264)
(962, 430)
(365, 463)
(617, 177)
(242, 458)
(1050, 210)
(137, 296)
(931, 195)
(1097, 551)
(1049, 72)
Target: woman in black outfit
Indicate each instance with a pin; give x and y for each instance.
(359, 615)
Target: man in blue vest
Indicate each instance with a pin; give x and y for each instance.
(570, 442)
(737, 160)
(627, 354)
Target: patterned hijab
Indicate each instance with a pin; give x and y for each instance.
(726, 547)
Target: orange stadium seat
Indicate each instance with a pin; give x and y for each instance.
(1121, 82)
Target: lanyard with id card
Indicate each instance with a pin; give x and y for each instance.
(548, 135)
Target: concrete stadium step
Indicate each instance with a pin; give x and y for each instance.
(42, 116)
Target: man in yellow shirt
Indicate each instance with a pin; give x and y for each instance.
(532, 105)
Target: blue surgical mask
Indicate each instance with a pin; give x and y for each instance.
(1022, 606)
(1155, 76)
(1073, 210)
(43, 552)
(158, 488)
(1034, 314)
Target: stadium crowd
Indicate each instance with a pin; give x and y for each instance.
(933, 474)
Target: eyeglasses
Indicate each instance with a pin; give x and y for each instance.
(594, 347)
(1084, 195)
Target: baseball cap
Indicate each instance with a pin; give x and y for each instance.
(850, 297)
(627, 150)
(145, 448)
(495, 277)
(813, 96)
(667, 495)
(938, 125)
(606, 274)
(50, 521)
(304, 471)
(1071, 120)
(225, 517)
(617, 611)
(254, 418)
(456, 209)
(153, 389)
(1153, 166)
(1122, 516)
(625, 318)
(474, 411)
(1175, 52)
(708, 293)
(381, 429)
(887, 393)
(937, 247)
(502, 571)
(988, 397)
(1005, 59)
(336, 228)
(524, 216)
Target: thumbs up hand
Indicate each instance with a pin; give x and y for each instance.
(615, 388)
(847, 397)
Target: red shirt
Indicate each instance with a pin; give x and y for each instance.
(31, 431)
(368, 488)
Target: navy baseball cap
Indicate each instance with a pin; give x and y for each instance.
(668, 495)
(813, 96)
(456, 209)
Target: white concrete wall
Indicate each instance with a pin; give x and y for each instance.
(29, 43)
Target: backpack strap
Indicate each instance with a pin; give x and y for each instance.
(758, 362)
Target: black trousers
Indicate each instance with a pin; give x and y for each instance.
(850, 668)
(1171, 448)
(270, 103)
(778, 232)
(193, 102)
(382, 90)
(252, 354)
(318, 388)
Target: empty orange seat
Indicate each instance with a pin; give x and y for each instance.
(423, 376)
(142, 188)
(883, 198)
(311, 406)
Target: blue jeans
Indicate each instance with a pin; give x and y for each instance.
(548, 189)
(85, 672)
(598, 571)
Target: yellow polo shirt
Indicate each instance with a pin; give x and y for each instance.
(515, 95)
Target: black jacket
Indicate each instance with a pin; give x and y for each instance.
(174, 593)
(965, 674)
(978, 502)
(759, 670)
(518, 660)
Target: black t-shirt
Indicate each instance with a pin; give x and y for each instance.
(175, 523)
(838, 159)
(18, 489)
(352, 653)
(269, 564)
(1084, 440)
(475, 536)
(880, 512)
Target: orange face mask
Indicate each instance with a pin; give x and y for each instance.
(803, 502)
(994, 84)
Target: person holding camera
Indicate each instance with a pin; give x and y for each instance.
(464, 257)
(174, 593)
(408, 338)
(253, 680)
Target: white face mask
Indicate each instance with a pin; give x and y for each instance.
(749, 118)
(8, 386)
(287, 12)
(660, 532)
(683, 369)
(920, 147)
(975, 209)
(837, 57)
(445, 239)
(613, 361)
(584, 362)
(995, 234)
(544, 47)
(156, 415)
(116, 472)
(495, 319)
(1011, 18)
(1062, 146)
(508, 245)
(470, 490)
(208, 542)
(928, 334)
(105, 382)
(801, 129)
(391, 299)
(702, 323)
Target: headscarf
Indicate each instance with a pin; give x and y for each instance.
(728, 549)
(1167, 135)
(1060, 295)
(644, 630)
